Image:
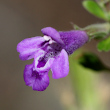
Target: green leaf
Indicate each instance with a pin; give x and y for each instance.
(94, 9)
(91, 61)
(104, 45)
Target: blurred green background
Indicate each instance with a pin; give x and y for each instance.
(20, 19)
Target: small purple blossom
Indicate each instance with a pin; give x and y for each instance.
(49, 52)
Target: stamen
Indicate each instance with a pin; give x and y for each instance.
(47, 38)
(51, 41)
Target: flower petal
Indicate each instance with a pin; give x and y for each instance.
(42, 83)
(41, 64)
(38, 81)
(60, 66)
(54, 34)
(73, 40)
(29, 46)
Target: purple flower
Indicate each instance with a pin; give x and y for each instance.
(49, 52)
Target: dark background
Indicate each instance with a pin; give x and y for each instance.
(20, 19)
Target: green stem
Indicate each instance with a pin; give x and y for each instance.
(97, 30)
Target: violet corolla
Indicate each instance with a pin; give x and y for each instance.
(49, 52)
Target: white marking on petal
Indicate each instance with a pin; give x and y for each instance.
(34, 69)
